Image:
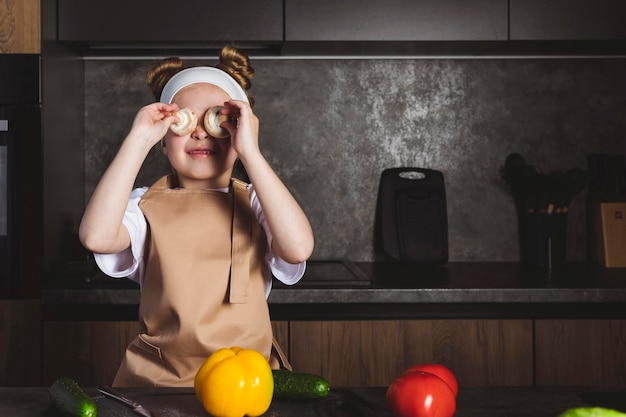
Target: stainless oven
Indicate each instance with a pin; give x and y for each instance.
(21, 170)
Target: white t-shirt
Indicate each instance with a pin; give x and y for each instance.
(130, 262)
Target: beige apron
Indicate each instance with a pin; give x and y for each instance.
(203, 287)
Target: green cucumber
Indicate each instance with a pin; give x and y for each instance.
(591, 412)
(70, 399)
(290, 385)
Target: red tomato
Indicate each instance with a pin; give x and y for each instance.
(441, 371)
(420, 394)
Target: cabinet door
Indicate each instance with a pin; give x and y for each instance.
(124, 21)
(91, 352)
(567, 19)
(374, 353)
(20, 27)
(88, 352)
(395, 20)
(580, 352)
(20, 343)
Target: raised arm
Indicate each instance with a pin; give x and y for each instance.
(291, 231)
(101, 228)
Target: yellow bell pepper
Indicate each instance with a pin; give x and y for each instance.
(235, 382)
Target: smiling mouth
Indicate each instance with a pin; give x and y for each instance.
(201, 152)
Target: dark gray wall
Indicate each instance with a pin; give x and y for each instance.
(329, 127)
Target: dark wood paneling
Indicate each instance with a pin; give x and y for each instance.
(89, 352)
(281, 334)
(347, 353)
(580, 352)
(20, 343)
(373, 353)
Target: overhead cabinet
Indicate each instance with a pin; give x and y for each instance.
(168, 22)
(396, 20)
(567, 20)
(301, 24)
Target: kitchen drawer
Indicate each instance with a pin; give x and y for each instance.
(395, 20)
(373, 353)
(567, 20)
(166, 22)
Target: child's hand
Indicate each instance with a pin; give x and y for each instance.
(153, 121)
(243, 126)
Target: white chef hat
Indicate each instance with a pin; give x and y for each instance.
(209, 75)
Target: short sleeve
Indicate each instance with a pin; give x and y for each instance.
(128, 263)
(282, 270)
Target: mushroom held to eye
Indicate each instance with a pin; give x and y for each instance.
(212, 121)
(187, 124)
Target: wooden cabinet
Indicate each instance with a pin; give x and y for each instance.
(480, 352)
(167, 22)
(91, 352)
(580, 352)
(567, 19)
(485, 352)
(20, 343)
(20, 27)
(373, 353)
(395, 20)
(88, 352)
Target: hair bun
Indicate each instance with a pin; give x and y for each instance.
(160, 74)
(231, 60)
(237, 64)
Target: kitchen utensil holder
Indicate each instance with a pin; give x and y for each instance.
(543, 238)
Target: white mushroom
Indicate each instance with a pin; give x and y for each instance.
(212, 121)
(187, 124)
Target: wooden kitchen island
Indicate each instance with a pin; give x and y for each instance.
(352, 402)
(362, 324)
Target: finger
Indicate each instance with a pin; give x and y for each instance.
(171, 107)
(230, 125)
(166, 109)
(171, 119)
(230, 113)
(237, 106)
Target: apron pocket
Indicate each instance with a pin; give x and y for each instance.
(145, 360)
(148, 347)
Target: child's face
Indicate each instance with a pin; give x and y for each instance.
(200, 160)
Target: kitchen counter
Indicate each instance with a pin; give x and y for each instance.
(362, 402)
(344, 289)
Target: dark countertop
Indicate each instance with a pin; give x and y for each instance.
(353, 290)
(362, 402)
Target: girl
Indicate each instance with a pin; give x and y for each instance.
(202, 246)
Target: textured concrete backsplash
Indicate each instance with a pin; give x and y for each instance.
(330, 127)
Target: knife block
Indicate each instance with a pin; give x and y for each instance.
(606, 225)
